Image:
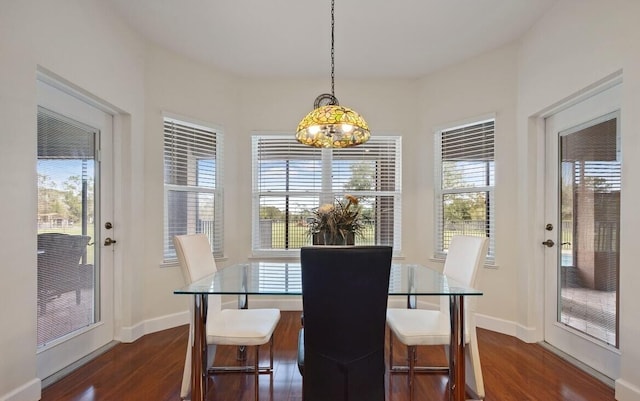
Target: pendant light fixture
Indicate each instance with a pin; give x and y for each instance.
(330, 125)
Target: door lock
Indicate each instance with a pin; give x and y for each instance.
(549, 243)
(108, 241)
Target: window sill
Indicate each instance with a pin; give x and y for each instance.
(174, 263)
(486, 265)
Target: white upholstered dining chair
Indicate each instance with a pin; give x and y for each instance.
(414, 327)
(241, 327)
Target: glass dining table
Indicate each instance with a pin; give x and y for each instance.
(284, 279)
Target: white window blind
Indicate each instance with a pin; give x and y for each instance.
(67, 169)
(465, 171)
(291, 179)
(193, 191)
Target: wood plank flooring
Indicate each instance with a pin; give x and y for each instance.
(151, 369)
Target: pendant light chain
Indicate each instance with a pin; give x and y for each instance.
(330, 125)
(333, 64)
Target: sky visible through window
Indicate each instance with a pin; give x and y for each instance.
(58, 171)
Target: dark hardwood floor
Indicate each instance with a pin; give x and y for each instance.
(151, 369)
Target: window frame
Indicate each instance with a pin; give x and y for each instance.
(216, 235)
(439, 192)
(326, 193)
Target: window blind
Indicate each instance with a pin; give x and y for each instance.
(465, 180)
(291, 179)
(67, 166)
(589, 212)
(193, 192)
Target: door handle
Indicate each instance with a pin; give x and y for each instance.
(108, 241)
(549, 243)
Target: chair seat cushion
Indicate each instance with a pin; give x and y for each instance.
(242, 326)
(420, 326)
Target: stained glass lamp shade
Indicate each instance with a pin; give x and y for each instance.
(332, 126)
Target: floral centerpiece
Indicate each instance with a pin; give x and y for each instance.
(337, 223)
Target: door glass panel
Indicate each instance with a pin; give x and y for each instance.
(589, 255)
(66, 204)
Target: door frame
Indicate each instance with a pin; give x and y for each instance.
(536, 138)
(113, 270)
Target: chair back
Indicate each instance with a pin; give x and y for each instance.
(465, 256)
(59, 268)
(197, 261)
(344, 296)
(195, 256)
(61, 251)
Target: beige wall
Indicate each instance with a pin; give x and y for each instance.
(483, 85)
(82, 42)
(199, 93)
(577, 44)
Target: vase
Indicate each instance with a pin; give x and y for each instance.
(326, 238)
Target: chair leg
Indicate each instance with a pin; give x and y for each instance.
(256, 373)
(271, 354)
(411, 355)
(241, 353)
(390, 363)
(390, 350)
(245, 368)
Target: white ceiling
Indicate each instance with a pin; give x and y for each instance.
(291, 38)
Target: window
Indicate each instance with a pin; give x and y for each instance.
(291, 179)
(464, 182)
(192, 187)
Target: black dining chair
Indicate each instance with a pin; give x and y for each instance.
(344, 297)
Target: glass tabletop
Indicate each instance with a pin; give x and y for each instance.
(284, 278)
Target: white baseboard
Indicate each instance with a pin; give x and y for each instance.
(30, 391)
(289, 303)
(502, 326)
(132, 333)
(494, 324)
(422, 302)
(626, 391)
(526, 334)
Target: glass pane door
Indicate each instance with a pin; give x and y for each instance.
(590, 229)
(74, 228)
(66, 205)
(582, 230)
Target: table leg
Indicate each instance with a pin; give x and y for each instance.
(243, 303)
(199, 348)
(457, 381)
